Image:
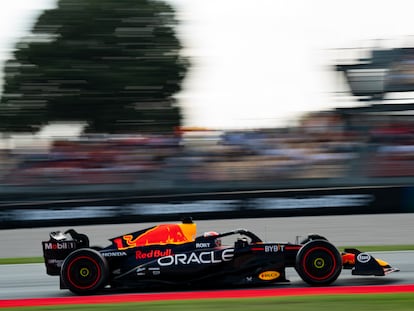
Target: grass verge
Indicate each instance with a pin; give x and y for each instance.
(381, 248)
(366, 302)
(23, 260)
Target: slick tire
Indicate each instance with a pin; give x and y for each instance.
(85, 271)
(318, 263)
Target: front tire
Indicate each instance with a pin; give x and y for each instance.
(312, 237)
(318, 262)
(85, 271)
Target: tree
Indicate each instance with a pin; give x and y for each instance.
(115, 64)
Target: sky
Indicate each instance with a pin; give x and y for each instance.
(259, 63)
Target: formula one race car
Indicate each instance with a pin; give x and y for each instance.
(171, 254)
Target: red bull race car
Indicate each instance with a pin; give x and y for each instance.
(173, 255)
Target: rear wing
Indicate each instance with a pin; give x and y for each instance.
(59, 246)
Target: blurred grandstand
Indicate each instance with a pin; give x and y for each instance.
(327, 149)
(367, 145)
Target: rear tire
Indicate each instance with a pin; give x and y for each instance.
(318, 262)
(85, 271)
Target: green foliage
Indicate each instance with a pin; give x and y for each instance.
(382, 248)
(22, 260)
(115, 64)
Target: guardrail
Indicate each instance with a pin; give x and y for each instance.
(209, 205)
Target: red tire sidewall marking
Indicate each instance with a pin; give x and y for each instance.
(333, 266)
(96, 279)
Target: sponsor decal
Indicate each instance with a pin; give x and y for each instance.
(364, 257)
(59, 245)
(155, 253)
(141, 271)
(114, 254)
(327, 201)
(203, 245)
(56, 262)
(197, 258)
(274, 248)
(161, 234)
(64, 213)
(269, 275)
(155, 271)
(185, 207)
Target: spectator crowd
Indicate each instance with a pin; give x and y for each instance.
(321, 147)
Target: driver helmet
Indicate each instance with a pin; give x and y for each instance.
(212, 234)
